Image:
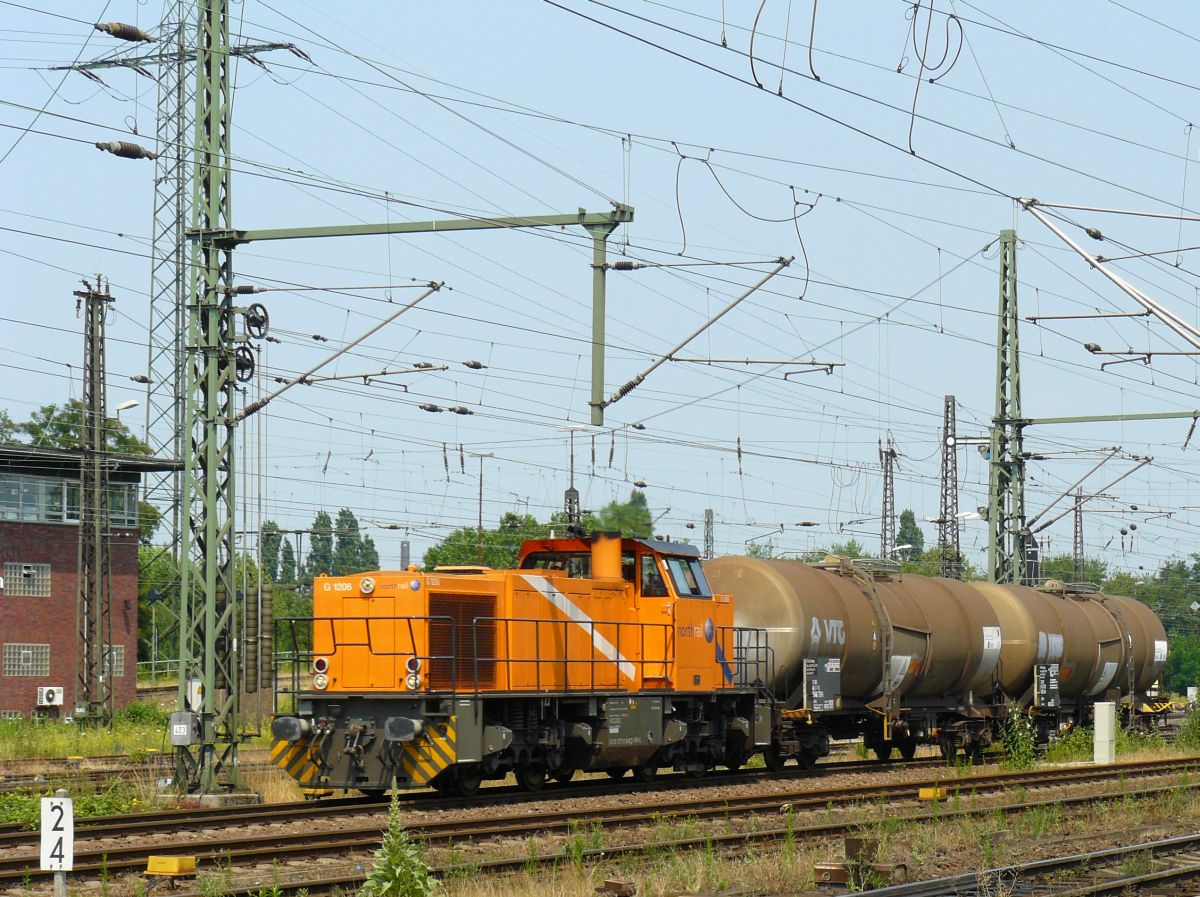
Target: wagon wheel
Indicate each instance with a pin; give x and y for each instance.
(532, 776)
(908, 748)
(645, 773)
(773, 759)
(618, 773)
(883, 750)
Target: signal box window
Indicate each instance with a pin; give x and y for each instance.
(652, 581)
(688, 578)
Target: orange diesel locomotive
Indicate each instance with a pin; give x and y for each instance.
(603, 654)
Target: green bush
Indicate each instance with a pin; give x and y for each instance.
(398, 869)
(1073, 745)
(144, 713)
(1130, 741)
(1189, 731)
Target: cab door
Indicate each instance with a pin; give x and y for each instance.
(655, 626)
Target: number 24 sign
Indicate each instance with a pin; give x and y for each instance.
(58, 834)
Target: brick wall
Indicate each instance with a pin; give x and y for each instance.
(52, 620)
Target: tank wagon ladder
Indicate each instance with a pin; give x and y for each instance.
(886, 703)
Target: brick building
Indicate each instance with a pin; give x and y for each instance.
(39, 562)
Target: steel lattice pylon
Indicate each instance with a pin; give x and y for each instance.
(949, 544)
(168, 258)
(209, 620)
(94, 693)
(887, 528)
(1008, 541)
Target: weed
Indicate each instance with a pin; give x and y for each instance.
(1071, 746)
(1136, 864)
(1019, 740)
(398, 869)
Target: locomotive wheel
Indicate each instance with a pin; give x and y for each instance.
(734, 760)
(564, 775)
(883, 750)
(468, 781)
(908, 748)
(618, 773)
(532, 778)
(772, 759)
(645, 773)
(697, 772)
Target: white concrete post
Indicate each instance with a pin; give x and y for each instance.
(1106, 732)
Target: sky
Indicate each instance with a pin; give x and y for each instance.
(884, 150)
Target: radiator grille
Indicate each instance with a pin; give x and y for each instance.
(463, 652)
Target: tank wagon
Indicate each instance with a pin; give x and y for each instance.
(610, 654)
(901, 659)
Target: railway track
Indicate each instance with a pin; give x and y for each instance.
(182, 819)
(1158, 865)
(264, 847)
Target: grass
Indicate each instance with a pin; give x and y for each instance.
(117, 796)
(140, 726)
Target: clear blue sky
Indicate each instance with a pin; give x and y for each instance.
(412, 111)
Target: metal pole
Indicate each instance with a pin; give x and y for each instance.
(636, 381)
(1006, 468)
(599, 290)
(479, 541)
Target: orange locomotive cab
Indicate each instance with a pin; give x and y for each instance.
(606, 653)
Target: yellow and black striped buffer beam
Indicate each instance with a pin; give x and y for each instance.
(296, 759)
(430, 752)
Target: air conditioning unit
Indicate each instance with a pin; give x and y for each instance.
(50, 696)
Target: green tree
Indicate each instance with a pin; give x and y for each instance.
(269, 543)
(59, 426)
(1183, 664)
(1062, 568)
(851, 549)
(320, 552)
(287, 564)
(910, 534)
(761, 549)
(929, 563)
(158, 598)
(500, 546)
(9, 429)
(629, 518)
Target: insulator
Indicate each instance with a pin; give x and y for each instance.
(433, 408)
(140, 378)
(638, 426)
(243, 289)
(1133, 507)
(459, 409)
(689, 526)
(124, 31)
(1124, 532)
(641, 484)
(422, 365)
(1092, 347)
(125, 149)
(1133, 526)
(1094, 233)
(474, 365)
(319, 338)
(272, 339)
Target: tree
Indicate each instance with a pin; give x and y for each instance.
(59, 426)
(500, 546)
(320, 552)
(1062, 568)
(269, 541)
(158, 598)
(629, 518)
(852, 549)
(9, 429)
(910, 534)
(287, 564)
(760, 549)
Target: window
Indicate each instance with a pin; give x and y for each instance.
(652, 581)
(688, 578)
(26, 660)
(56, 500)
(114, 661)
(27, 580)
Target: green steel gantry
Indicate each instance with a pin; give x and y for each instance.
(207, 729)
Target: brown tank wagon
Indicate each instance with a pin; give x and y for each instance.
(860, 649)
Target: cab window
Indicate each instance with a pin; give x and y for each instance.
(688, 578)
(652, 581)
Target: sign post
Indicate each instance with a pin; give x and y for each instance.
(58, 838)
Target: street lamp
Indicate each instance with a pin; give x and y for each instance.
(125, 406)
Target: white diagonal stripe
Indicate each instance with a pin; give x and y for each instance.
(576, 615)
